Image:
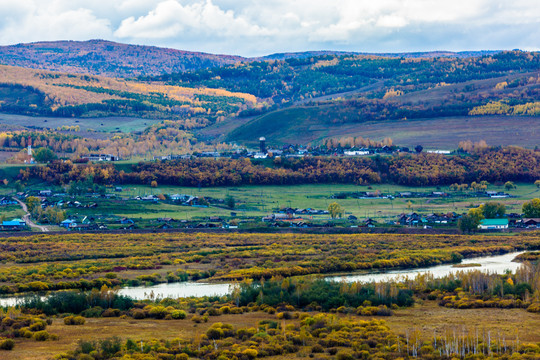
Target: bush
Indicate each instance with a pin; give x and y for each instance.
(178, 314)
(94, 312)
(110, 346)
(284, 315)
(138, 314)
(534, 307)
(250, 353)
(270, 310)
(38, 326)
(111, 313)
(41, 335)
(344, 355)
(7, 344)
(74, 320)
(158, 312)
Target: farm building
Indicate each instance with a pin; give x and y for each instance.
(493, 224)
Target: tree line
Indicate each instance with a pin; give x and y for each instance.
(498, 165)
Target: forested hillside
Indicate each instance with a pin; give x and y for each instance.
(107, 58)
(45, 93)
(301, 98)
(295, 79)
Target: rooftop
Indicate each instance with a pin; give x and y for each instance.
(494, 222)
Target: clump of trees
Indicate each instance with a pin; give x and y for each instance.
(335, 210)
(531, 209)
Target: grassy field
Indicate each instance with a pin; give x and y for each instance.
(11, 211)
(262, 200)
(304, 125)
(107, 124)
(427, 317)
(258, 201)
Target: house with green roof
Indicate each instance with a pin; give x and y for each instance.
(493, 224)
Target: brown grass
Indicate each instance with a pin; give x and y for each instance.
(427, 317)
(101, 328)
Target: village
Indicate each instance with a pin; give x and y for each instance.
(103, 211)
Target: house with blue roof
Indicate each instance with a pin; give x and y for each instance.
(13, 225)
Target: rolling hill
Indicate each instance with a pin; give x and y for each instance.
(107, 58)
(100, 57)
(305, 97)
(45, 93)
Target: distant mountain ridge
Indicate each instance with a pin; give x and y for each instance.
(107, 58)
(112, 59)
(422, 54)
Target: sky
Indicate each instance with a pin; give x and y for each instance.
(262, 27)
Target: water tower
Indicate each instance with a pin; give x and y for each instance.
(29, 151)
(262, 144)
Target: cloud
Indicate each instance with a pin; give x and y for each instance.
(257, 27)
(34, 21)
(170, 19)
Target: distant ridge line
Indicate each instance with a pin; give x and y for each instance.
(113, 59)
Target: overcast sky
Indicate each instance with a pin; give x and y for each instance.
(260, 27)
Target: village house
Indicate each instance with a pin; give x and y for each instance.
(100, 157)
(7, 201)
(13, 225)
(409, 219)
(530, 223)
(493, 224)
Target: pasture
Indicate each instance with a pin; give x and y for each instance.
(257, 201)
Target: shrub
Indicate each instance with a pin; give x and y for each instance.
(111, 313)
(332, 351)
(38, 326)
(250, 353)
(178, 314)
(214, 333)
(86, 347)
(214, 312)
(110, 346)
(74, 320)
(534, 307)
(182, 356)
(138, 314)
(284, 315)
(7, 344)
(197, 319)
(158, 312)
(94, 312)
(344, 355)
(41, 335)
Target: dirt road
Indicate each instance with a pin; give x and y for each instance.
(26, 217)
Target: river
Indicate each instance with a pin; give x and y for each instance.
(494, 264)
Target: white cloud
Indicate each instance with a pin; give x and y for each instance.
(170, 19)
(35, 21)
(257, 27)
